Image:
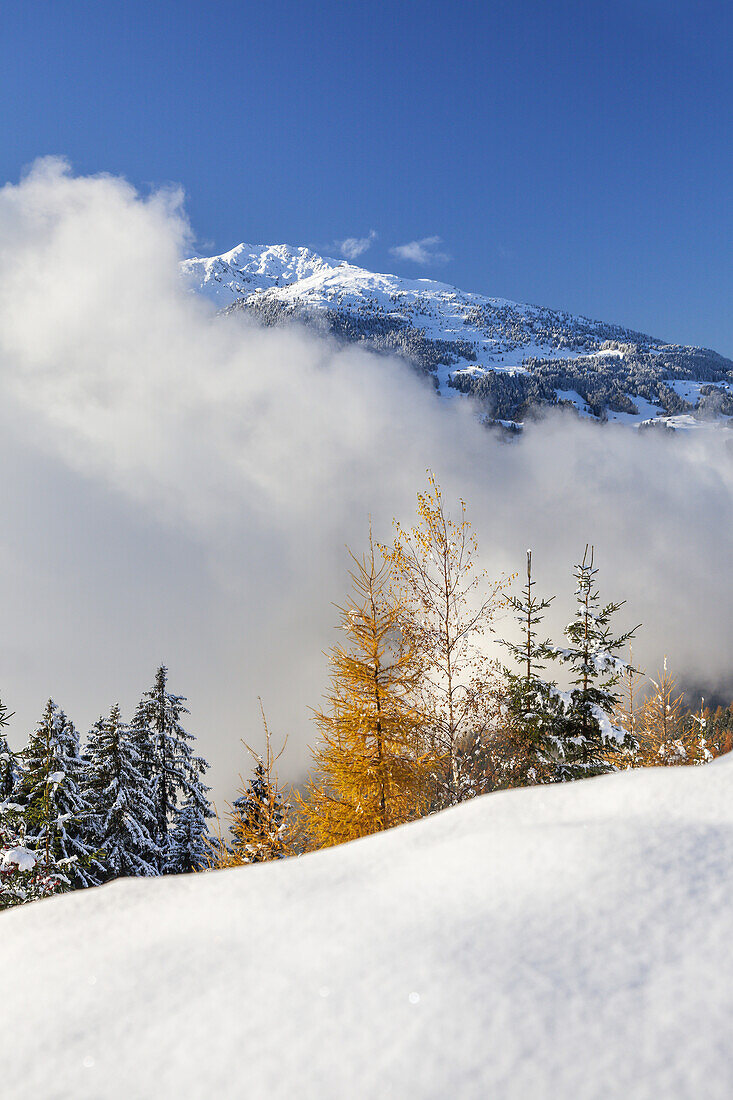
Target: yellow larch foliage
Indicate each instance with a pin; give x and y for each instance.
(627, 715)
(451, 603)
(664, 737)
(261, 821)
(371, 768)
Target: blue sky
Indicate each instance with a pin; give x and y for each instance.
(573, 154)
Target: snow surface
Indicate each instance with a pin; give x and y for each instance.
(646, 411)
(571, 941)
(20, 857)
(574, 398)
(690, 391)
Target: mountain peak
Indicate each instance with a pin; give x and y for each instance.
(510, 356)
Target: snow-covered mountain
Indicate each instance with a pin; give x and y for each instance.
(562, 941)
(510, 356)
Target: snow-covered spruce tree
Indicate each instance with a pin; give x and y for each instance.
(188, 838)
(57, 818)
(590, 738)
(24, 874)
(123, 817)
(533, 751)
(9, 770)
(167, 761)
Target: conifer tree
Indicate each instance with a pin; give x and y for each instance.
(9, 770)
(450, 604)
(167, 761)
(188, 839)
(56, 814)
(719, 730)
(123, 817)
(261, 823)
(251, 811)
(259, 818)
(24, 874)
(370, 764)
(535, 752)
(627, 715)
(666, 736)
(591, 739)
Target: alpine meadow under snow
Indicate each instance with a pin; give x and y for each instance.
(570, 940)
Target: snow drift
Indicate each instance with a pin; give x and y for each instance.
(551, 942)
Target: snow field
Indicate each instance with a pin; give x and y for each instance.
(551, 942)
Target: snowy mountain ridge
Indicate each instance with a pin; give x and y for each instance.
(510, 356)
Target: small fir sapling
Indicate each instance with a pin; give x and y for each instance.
(591, 739)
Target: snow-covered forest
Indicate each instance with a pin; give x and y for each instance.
(514, 360)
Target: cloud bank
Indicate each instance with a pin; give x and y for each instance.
(180, 487)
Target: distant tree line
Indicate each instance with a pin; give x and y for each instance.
(606, 382)
(612, 364)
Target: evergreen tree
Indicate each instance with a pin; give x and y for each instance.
(56, 814)
(260, 819)
(536, 751)
(9, 770)
(258, 815)
(167, 761)
(188, 840)
(24, 874)
(591, 739)
(122, 812)
(371, 766)
(719, 730)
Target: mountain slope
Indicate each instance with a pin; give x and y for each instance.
(511, 357)
(556, 941)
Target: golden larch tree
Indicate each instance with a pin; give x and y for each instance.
(451, 603)
(370, 764)
(627, 714)
(666, 734)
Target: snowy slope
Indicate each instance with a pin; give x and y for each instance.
(571, 941)
(462, 338)
(503, 333)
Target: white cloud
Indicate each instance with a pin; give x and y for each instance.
(353, 247)
(423, 251)
(179, 486)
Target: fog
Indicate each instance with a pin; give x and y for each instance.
(181, 487)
